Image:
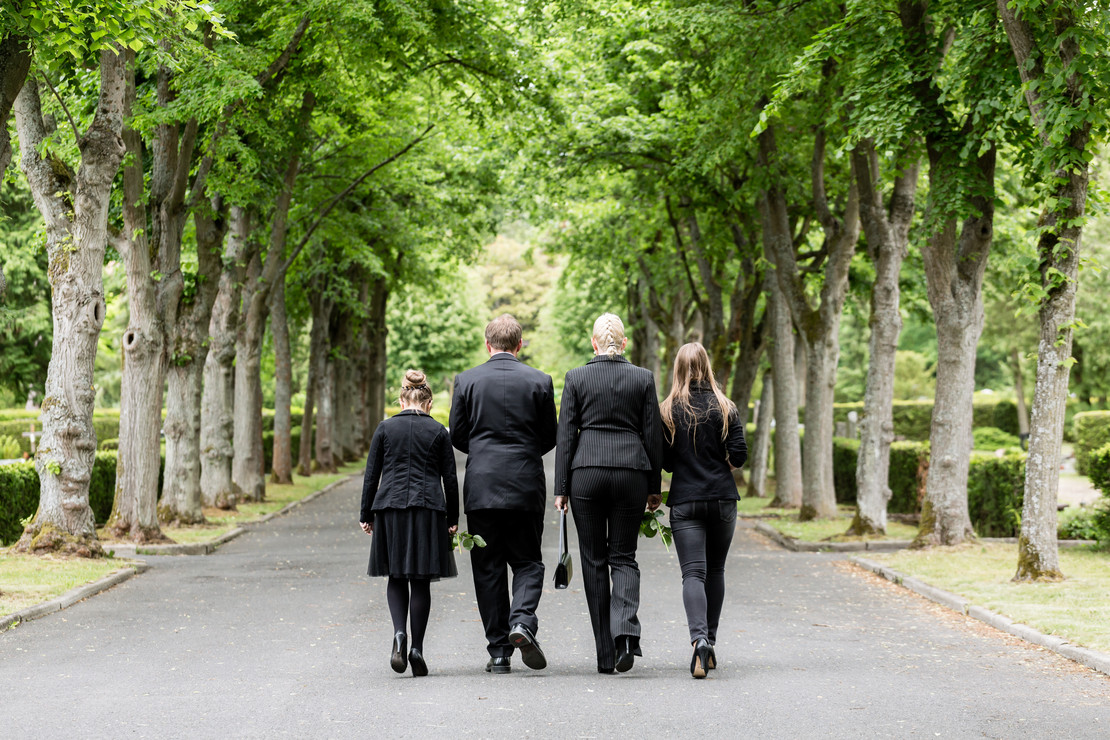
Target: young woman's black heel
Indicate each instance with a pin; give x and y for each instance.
(399, 658)
(416, 660)
(699, 663)
(712, 665)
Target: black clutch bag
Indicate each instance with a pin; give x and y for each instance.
(565, 569)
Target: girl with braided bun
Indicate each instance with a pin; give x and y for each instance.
(607, 462)
(410, 504)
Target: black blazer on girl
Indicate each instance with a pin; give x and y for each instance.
(698, 457)
(410, 453)
(609, 417)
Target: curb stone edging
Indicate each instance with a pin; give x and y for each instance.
(1091, 658)
(207, 548)
(873, 546)
(71, 597)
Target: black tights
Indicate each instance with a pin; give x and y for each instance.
(416, 606)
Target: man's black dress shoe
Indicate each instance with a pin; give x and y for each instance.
(499, 665)
(625, 655)
(398, 660)
(606, 671)
(416, 659)
(523, 640)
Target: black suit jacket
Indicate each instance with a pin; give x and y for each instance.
(609, 418)
(503, 418)
(409, 454)
(697, 455)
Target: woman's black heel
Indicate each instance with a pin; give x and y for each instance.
(699, 663)
(712, 657)
(399, 659)
(416, 660)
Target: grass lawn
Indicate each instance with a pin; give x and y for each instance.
(1073, 609)
(26, 580)
(819, 530)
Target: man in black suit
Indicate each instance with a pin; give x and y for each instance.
(503, 418)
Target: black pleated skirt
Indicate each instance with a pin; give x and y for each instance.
(411, 543)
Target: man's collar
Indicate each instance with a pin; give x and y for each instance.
(503, 355)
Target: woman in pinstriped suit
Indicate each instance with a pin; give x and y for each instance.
(607, 462)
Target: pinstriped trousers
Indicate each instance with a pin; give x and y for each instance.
(607, 505)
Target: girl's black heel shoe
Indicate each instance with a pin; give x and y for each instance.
(712, 658)
(699, 663)
(399, 658)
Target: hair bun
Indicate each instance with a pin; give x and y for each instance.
(414, 379)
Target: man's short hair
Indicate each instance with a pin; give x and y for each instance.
(504, 333)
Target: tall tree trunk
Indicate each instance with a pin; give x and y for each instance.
(887, 244)
(954, 269)
(379, 300)
(218, 396)
(788, 454)
(325, 413)
(135, 505)
(282, 454)
(1058, 249)
(343, 418)
(15, 63)
(321, 315)
(245, 464)
(182, 500)
(248, 463)
(76, 239)
(818, 326)
(761, 443)
(1019, 392)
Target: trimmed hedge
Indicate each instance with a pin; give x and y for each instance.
(908, 468)
(19, 497)
(1092, 431)
(913, 419)
(105, 426)
(19, 493)
(1098, 469)
(993, 438)
(995, 491)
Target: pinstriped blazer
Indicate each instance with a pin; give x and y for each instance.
(609, 417)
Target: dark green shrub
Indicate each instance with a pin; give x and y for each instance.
(845, 456)
(992, 438)
(102, 486)
(1092, 431)
(19, 498)
(995, 490)
(1098, 469)
(909, 467)
(1006, 417)
(1077, 523)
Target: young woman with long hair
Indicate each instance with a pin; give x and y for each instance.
(704, 442)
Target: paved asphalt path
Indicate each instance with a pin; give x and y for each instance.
(281, 634)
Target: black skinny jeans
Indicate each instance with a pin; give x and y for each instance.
(702, 535)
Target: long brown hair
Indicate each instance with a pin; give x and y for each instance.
(691, 366)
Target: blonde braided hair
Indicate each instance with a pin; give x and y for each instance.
(609, 334)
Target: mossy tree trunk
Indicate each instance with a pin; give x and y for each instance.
(887, 234)
(1058, 248)
(74, 208)
(218, 397)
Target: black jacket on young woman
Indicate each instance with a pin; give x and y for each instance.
(698, 457)
(410, 454)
